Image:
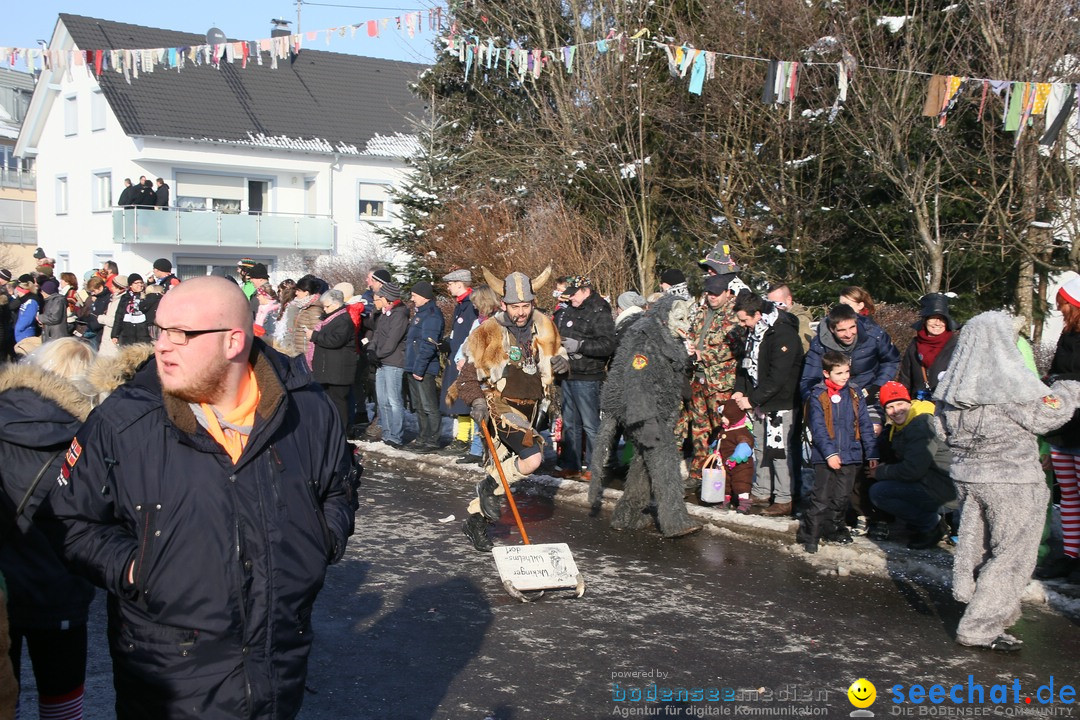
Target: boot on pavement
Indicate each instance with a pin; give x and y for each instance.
(475, 528)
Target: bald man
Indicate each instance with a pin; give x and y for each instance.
(207, 496)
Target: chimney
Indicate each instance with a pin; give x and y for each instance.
(279, 28)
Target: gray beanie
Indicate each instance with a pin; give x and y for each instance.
(390, 291)
(460, 275)
(631, 299)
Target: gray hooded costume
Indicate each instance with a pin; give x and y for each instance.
(643, 396)
(991, 408)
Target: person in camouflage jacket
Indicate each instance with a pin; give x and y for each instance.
(714, 366)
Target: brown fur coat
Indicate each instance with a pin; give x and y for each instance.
(487, 352)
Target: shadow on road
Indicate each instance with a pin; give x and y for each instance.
(417, 649)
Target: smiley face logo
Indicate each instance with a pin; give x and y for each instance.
(862, 693)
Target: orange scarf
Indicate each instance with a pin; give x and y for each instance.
(232, 440)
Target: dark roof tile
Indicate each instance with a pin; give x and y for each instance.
(331, 96)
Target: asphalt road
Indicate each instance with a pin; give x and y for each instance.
(415, 624)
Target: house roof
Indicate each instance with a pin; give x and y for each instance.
(318, 102)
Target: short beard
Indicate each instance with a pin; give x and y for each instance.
(205, 387)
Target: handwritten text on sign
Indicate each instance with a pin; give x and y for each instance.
(536, 567)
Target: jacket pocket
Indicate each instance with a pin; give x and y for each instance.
(328, 538)
(148, 535)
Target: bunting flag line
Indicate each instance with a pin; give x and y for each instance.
(131, 61)
(1022, 100)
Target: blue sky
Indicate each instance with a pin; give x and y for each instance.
(26, 21)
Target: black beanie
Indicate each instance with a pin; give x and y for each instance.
(134, 277)
(424, 290)
(163, 265)
(672, 277)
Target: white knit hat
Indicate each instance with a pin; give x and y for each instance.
(1071, 291)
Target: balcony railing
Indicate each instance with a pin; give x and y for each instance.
(206, 227)
(17, 178)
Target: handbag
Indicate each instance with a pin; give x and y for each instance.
(713, 479)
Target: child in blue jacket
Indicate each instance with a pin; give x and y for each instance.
(842, 440)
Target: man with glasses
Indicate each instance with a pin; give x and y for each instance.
(208, 495)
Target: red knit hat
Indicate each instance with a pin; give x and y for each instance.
(1070, 291)
(892, 391)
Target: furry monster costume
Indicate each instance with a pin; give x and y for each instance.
(643, 395)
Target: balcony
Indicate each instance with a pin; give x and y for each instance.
(17, 178)
(278, 231)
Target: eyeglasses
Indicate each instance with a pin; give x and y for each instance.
(178, 336)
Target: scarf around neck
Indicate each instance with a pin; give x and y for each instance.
(833, 388)
(928, 346)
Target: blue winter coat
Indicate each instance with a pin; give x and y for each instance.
(460, 326)
(227, 558)
(874, 359)
(842, 440)
(26, 323)
(422, 340)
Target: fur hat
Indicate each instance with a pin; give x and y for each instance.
(630, 299)
(163, 265)
(1070, 291)
(891, 392)
(933, 304)
(517, 287)
(672, 276)
(390, 291)
(460, 275)
(424, 290)
(719, 260)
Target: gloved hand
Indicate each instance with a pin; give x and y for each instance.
(572, 345)
(560, 365)
(742, 453)
(479, 410)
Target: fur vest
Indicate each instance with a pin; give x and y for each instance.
(488, 351)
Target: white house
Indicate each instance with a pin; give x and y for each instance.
(290, 166)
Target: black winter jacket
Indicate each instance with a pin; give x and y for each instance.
(333, 362)
(1066, 366)
(388, 343)
(779, 364)
(227, 559)
(465, 315)
(41, 414)
(593, 325)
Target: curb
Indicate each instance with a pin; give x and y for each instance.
(885, 560)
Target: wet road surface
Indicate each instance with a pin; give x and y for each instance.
(415, 624)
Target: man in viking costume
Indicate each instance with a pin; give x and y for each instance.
(510, 365)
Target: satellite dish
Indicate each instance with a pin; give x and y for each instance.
(214, 36)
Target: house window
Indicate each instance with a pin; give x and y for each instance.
(71, 116)
(97, 111)
(61, 195)
(191, 203)
(372, 198)
(101, 189)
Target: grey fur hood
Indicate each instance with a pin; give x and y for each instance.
(987, 368)
(110, 372)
